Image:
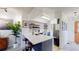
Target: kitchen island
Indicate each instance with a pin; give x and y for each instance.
(40, 42)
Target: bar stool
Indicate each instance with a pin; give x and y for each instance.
(28, 45)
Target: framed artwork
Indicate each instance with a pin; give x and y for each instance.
(3, 23)
(64, 26)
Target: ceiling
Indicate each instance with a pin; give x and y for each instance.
(37, 12)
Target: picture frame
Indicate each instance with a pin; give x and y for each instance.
(64, 26)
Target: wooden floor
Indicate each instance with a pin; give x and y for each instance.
(56, 48)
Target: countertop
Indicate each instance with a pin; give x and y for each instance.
(35, 39)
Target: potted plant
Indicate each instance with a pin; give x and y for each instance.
(15, 31)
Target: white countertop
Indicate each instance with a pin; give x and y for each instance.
(35, 39)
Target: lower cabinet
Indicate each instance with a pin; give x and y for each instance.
(56, 41)
(3, 43)
(44, 46)
(37, 47)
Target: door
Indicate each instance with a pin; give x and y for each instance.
(77, 32)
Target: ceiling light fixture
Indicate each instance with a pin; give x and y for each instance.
(44, 17)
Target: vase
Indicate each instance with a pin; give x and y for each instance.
(15, 45)
(17, 40)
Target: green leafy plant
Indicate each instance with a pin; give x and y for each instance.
(15, 28)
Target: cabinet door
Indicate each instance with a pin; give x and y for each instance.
(3, 43)
(76, 32)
